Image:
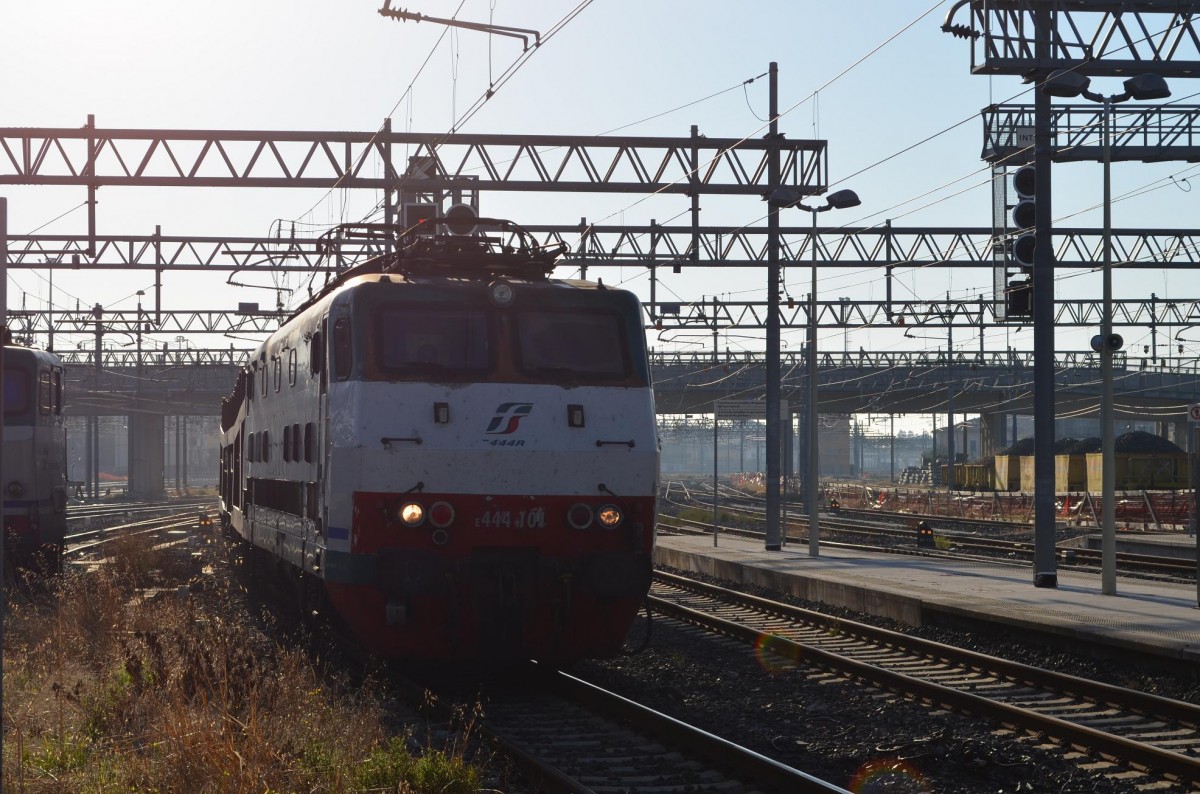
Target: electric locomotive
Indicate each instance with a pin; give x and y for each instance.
(455, 452)
(34, 464)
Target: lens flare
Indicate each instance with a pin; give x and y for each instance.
(887, 774)
(775, 654)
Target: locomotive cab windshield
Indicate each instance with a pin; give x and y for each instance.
(549, 338)
(17, 392)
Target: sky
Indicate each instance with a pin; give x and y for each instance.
(890, 92)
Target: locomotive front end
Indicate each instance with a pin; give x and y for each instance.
(493, 469)
(34, 459)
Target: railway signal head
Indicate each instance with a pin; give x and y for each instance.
(1018, 291)
(924, 535)
(460, 219)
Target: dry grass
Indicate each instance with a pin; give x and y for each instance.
(107, 689)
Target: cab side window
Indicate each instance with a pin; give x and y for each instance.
(316, 355)
(343, 361)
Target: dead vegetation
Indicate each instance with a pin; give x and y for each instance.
(124, 678)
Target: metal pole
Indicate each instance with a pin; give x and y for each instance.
(773, 374)
(3, 327)
(90, 170)
(714, 473)
(389, 214)
(1045, 564)
(1108, 533)
(950, 447)
(814, 453)
(892, 433)
(785, 423)
(1193, 430)
(136, 474)
(183, 452)
(50, 306)
(94, 435)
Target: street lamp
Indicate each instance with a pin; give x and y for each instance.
(842, 199)
(1068, 83)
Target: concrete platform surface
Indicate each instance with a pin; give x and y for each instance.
(1148, 617)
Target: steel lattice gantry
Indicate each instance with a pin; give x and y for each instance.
(1098, 37)
(93, 157)
(1150, 133)
(621, 246)
(192, 381)
(708, 315)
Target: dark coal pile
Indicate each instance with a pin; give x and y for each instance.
(1143, 443)
(848, 733)
(1063, 446)
(1134, 442)
(1023, 446)
(1081, 447)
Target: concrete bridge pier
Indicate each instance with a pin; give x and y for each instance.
(146, 456)
(993, 433)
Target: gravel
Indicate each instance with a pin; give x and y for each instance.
(850, 733)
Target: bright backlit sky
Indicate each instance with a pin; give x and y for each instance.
(873, 78)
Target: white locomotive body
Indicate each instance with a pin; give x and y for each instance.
(457, 452)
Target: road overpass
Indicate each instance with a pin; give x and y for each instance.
(994, 384)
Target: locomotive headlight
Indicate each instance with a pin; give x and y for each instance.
(501, 294)
(411, 513)
(16, 490)
(609, 516)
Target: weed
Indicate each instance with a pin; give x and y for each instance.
(113, 682)
(58, 756)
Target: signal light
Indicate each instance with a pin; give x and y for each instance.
(1018, 295)
(441, 514)
(501, 294)
(1024, 215)
(1018, 291)
(579, 516)
(419, 218)
(461, 219)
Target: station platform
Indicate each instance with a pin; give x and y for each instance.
(1179, 545)
(1144, 618)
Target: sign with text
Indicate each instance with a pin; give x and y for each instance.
(747, 409)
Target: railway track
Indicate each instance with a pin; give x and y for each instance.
(102, 529)
(572, 736)
(875, 524)
(1120, 732)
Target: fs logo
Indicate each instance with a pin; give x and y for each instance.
(508, 418)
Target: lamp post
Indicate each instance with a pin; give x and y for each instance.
(842, 199)
(1068, 83)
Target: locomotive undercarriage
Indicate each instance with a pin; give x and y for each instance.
(500, 603)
